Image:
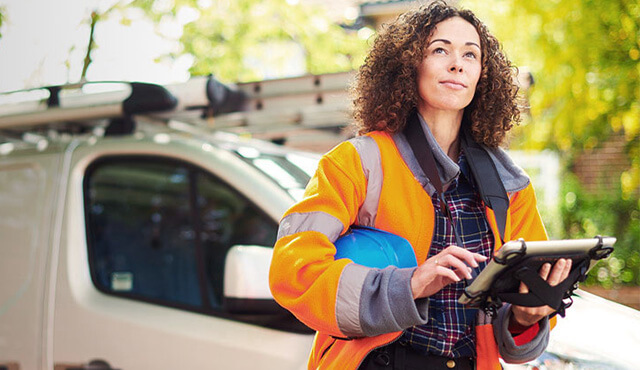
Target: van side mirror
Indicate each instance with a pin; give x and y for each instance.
(246, 281)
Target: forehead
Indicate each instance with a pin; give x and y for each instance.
(455, 29)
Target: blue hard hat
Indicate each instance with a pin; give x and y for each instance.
(373, 247)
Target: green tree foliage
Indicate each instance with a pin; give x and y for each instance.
(584, 215)
(233, 38)
(585, 58)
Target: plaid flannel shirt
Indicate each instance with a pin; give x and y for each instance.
(449, 331)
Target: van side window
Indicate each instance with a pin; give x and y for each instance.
(159, 230)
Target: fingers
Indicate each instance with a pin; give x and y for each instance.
(544, 274)
(459, 259)
(560, 271)
(556, 272)
(448, 273)
(555, 275)
(430, 277)
(471, 259)
(544, 271)
(460, 268)
(450, 265)
(567, 269)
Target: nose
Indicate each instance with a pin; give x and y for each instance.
(456, 65)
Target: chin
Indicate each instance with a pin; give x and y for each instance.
(447, 103)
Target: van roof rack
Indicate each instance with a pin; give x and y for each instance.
(263, 108)
(81, 102)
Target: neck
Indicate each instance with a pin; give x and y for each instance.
(445, 127)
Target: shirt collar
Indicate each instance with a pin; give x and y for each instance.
(447, 168)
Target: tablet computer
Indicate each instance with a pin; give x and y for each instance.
(519, 260)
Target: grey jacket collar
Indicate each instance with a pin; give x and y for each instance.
(513, 177)
(447, 168)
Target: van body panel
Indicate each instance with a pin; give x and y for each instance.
(28, 201)
(129, 334)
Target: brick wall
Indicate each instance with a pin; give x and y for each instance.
(628, 295)
(600, 169)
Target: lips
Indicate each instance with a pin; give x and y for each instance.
(453, 84)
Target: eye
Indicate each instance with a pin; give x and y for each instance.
(439, 51)
(471, 54)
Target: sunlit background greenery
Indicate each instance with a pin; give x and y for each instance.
(585, 58)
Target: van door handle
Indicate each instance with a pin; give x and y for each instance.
(92, 365)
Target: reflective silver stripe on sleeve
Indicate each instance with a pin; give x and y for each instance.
(369, 153)
(348, 299)
(311, 221)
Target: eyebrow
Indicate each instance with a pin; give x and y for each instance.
(449, 42)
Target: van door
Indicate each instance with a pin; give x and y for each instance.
(140, 275)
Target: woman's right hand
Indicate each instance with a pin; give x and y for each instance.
(451, 265)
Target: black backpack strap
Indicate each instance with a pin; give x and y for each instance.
(420, 146)
(486, 177)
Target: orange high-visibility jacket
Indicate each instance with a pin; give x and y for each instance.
(373, 180)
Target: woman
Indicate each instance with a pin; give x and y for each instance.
(440, 68)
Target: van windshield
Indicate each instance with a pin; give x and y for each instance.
(291, 171)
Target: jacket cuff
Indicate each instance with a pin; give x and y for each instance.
(510, 351)
(383, 303)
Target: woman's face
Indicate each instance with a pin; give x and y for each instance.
(450, 70)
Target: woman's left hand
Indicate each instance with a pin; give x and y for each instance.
(527, 316)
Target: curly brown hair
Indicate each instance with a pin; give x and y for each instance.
(385, 90)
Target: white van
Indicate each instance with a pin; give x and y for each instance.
(133, 240)
(113, 246)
